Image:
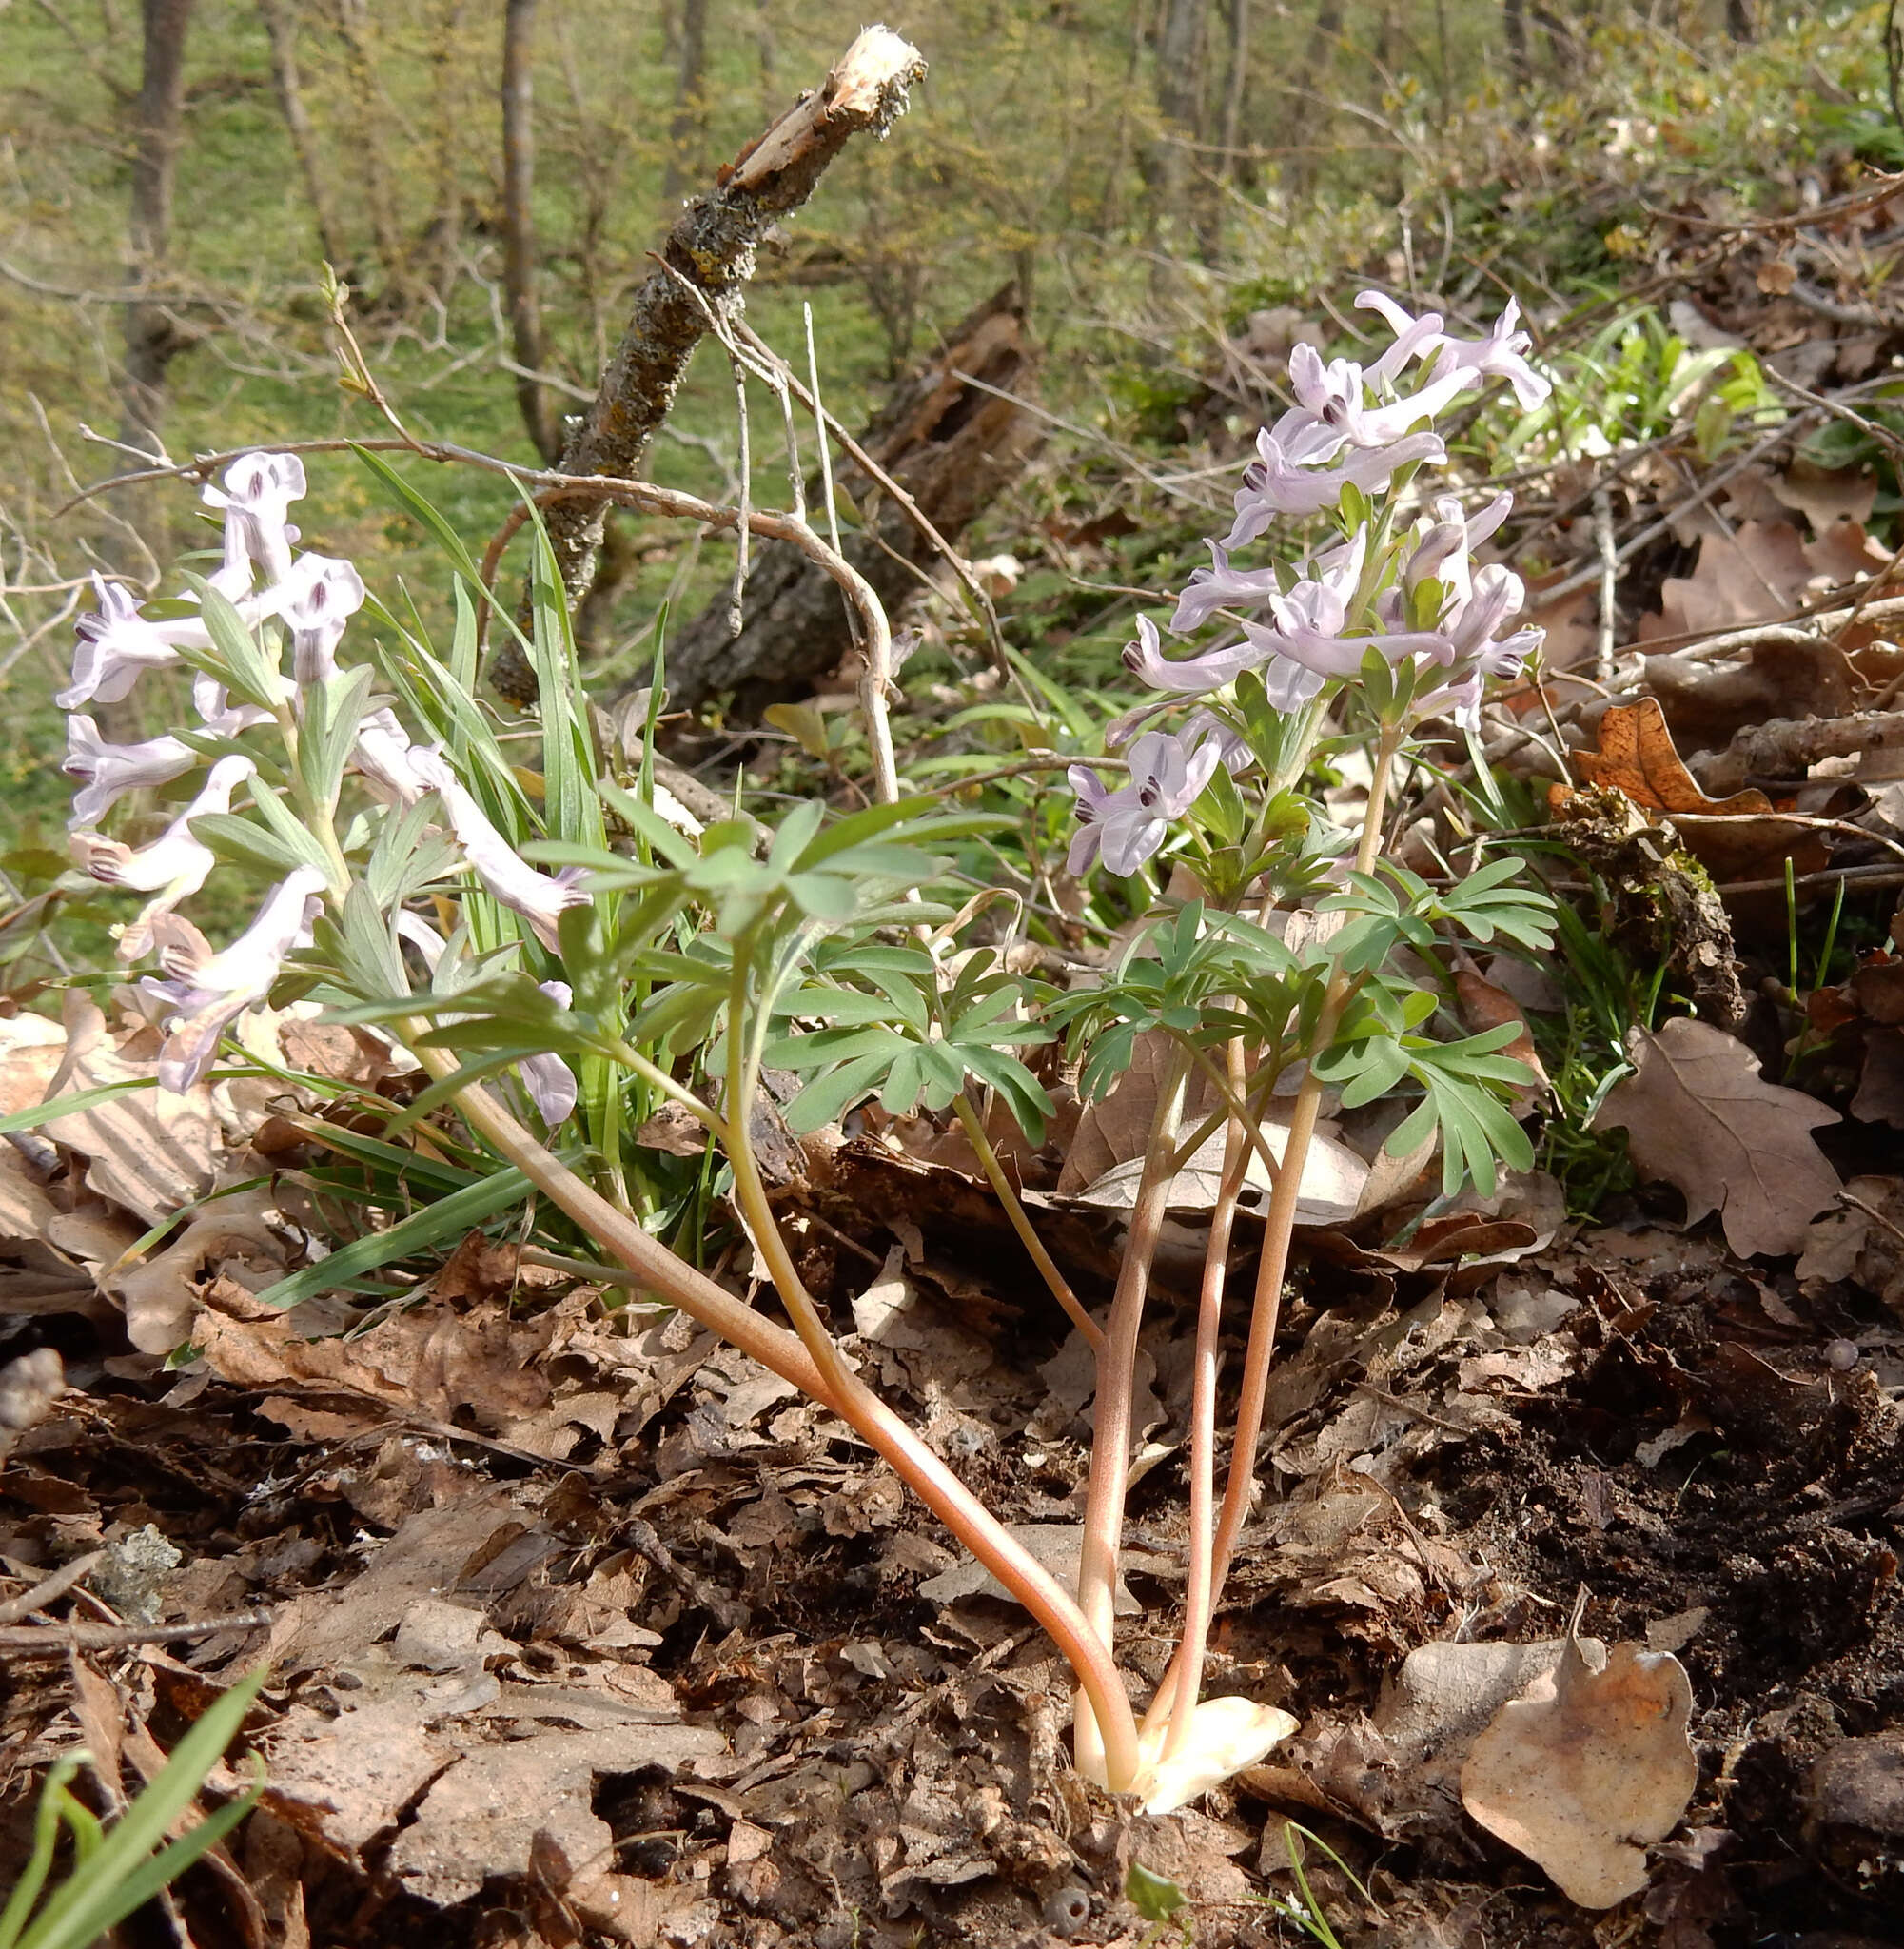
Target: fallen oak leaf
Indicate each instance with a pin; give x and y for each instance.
(1698, 1115)
(1637, 757)
(1586, 1768)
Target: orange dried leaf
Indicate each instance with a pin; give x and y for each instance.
(1636, 755)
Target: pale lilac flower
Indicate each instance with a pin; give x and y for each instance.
(1220, 587)
(1232, 748)
(218, 712)
(549, 1080)
(1500, 355)
(1145, 657)
(320, 595)
(205, 992)
(1308, 625)
(257, 492)
(112, 770)
(113, 643)
(541, 898)
(383, 756)
(172, 867)
(1415, 338)
(1277, 483)
(1125, 827)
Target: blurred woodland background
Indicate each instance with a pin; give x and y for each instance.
(1163, 187)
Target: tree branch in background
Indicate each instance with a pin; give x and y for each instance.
(951, 448)
(519, 224)
(690, 120)
(281, 31)
(711, 249)
(152, 337)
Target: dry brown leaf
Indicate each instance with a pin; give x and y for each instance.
(1708, 704)
(240, 1238)
(1880, 1082)
(1826, 496)
(1861, 1242)
(1482, 1007)
(1587, 1768)
(1636, 755)
(1059, 1546)
(432, 1360)
(31, 1051)
(149, 1150)
(1761, 572)
(1698, 1116)
(1444, 1695)
(1735, 848)
(482, 1817)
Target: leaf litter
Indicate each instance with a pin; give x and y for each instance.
(577, 1620)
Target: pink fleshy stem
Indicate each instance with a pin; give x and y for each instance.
(1279, 1224)
(1199, 1597)
(783, 1354)
(1110, 1426)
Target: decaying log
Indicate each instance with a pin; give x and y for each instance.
(707, 261)
(952, 446)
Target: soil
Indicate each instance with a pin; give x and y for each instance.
(1711, 1461)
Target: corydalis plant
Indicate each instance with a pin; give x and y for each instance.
(1392, 623)
(506, 942)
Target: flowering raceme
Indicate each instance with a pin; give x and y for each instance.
(1418, 599)
(284, 599)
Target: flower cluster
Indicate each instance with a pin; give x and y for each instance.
(283, 599)
(1418, 597)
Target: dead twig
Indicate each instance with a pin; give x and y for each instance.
(712, 246)
(55, 1641)
(50, 1589)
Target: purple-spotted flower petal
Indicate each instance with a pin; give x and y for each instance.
(110, 771)
(172, 867)
(1145, 657)
(1125, 827)
(204, 994)
(113, 643)
(255, 495)
(320, 595)
(541, 898)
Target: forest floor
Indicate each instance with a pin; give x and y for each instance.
(582, 1629)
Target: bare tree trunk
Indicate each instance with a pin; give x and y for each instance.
(445, 226)
(152, 341)
(1180, 100)
(1514, 23)
(1237, 92)
(280, 30)
(1220, 168)
(1313, 116)
(353, 23)
(690, 103)
(519, 224)
(765, 47)
(706, 263)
